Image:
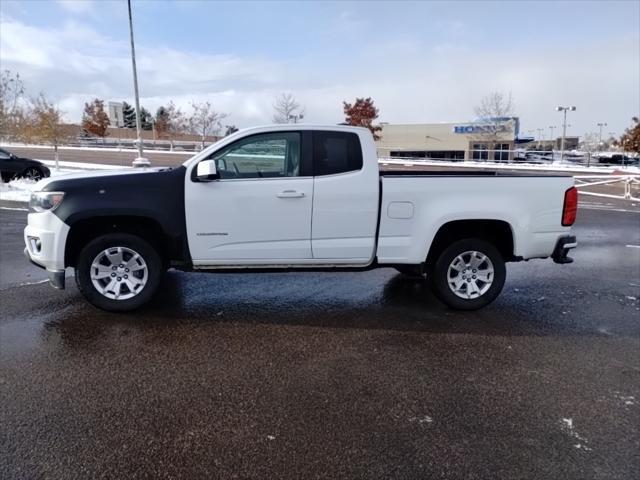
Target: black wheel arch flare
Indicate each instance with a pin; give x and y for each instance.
(150, 204)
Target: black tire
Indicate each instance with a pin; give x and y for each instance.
(154, 266)
(410, 270)
(439, 279)
(33, 173)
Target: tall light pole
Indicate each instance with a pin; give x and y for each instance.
(600, 135)
(540, 130)
(564, 128)
(140, 161)
(552, 138)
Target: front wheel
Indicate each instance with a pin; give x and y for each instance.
(32, 173)
(468, 275)
(118, 272)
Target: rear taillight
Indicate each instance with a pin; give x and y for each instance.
(570, 208)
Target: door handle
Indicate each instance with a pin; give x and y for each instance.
(290, 194)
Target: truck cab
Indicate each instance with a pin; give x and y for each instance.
(281, 196)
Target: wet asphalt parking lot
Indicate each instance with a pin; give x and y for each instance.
(323, 375)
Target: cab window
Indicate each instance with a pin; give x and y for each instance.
(265, 155)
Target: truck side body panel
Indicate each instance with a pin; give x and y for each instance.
(414, 208)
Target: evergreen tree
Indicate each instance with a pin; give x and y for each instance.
(128, 115)
(146, 119)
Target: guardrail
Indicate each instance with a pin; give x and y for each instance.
(526, 157)
(628, 181)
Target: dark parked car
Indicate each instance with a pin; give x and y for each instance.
(12, 167)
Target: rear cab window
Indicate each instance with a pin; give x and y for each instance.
(336, 152)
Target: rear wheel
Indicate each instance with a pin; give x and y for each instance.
(118, 272)
(468, 275)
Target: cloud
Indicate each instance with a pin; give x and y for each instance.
(350, 23)
(411, 81)
(76, 6)
(74, 63)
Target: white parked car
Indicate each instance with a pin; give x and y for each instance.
(295, 197)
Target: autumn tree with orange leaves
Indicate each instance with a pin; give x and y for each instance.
(630, 140)
(94, 119)
(362, 113)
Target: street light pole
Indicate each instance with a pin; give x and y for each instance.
(600, 135)
(552, 138)
(564, 128)
(140, 161)
(540, 130)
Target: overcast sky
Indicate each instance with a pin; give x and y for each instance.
(420, 61)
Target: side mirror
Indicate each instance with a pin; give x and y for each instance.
(206, 171)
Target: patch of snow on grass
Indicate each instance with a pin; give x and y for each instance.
(66, 166)
(16, 190)
(19, 190)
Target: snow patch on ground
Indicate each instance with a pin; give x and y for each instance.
(627, 400)
(98, 149)
(567, 427)
(66, 166)
(17, 190)
(425, 419)
(20, 190)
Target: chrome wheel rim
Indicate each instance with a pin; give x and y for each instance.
(33, 174)
(470, 275)
(119, 273)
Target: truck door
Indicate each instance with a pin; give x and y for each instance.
(259, 211)
(345, 198)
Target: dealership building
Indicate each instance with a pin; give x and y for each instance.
(492, 140)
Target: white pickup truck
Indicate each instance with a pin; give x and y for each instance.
(295, 197)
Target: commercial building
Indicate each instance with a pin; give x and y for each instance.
(492, 140)
(116, 115)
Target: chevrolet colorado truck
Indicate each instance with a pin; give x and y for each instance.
(295, 197)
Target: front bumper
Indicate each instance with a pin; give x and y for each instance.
(563, 246)
(45, 238)
(56, 277)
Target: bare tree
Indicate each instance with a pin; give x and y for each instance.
(590, 142)
(287, 109)
(11, 111)
(205, 120)
(496, 104)
(45, 124)
(492, 113)
(178, 122)
(230, 129)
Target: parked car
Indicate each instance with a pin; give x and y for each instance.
(12, 166)
(295, 198)
(615, 159)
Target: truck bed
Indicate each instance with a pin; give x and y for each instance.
(416, 204)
